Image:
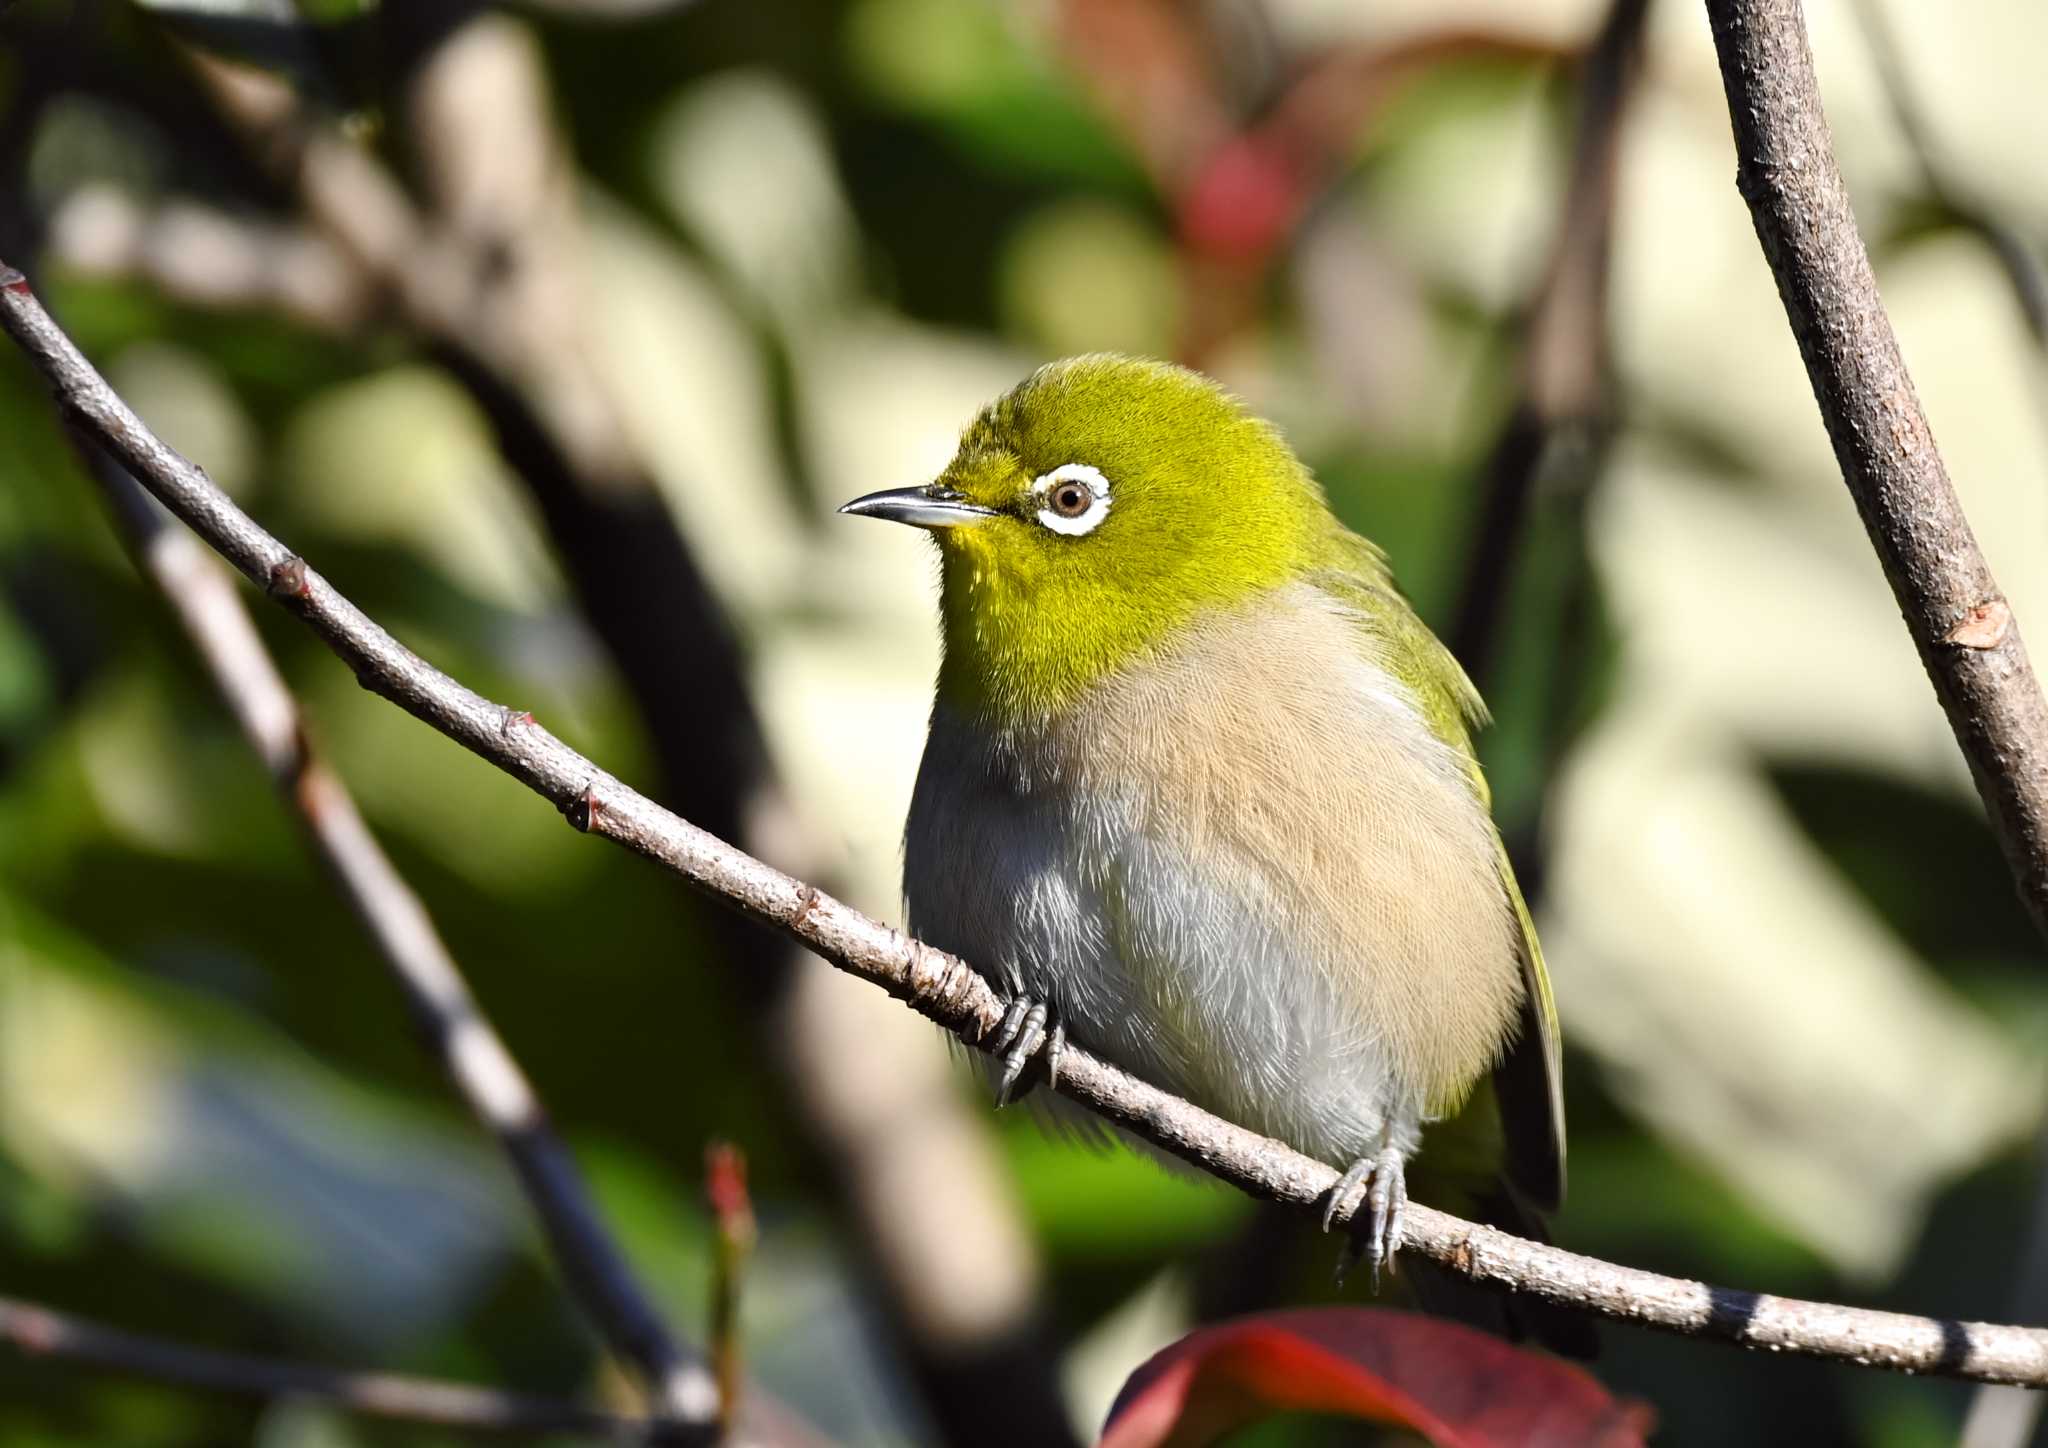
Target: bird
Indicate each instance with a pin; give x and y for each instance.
(1200, 794)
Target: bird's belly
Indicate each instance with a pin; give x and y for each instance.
(1150, 958)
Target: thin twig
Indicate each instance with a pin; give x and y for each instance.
(945, 988)
(451, 1023)
(37, 1332)
(1564, 364)
(1965, 631)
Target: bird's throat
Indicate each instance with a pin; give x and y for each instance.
(1024, 641)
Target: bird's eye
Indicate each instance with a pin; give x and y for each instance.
(1070, 499)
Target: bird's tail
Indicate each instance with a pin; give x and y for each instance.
(1438, 1290)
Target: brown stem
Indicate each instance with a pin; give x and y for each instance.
(1965, 631)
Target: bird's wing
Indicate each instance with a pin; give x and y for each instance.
(1530, 1079)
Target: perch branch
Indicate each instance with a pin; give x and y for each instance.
(450, 1021)
(37, 1332)
(1965, 631)
(945, 988)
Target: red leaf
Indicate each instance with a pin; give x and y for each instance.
(1458, 1387)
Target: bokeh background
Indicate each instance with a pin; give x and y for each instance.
(554, 334)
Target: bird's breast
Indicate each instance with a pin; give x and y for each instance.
(1242, 868)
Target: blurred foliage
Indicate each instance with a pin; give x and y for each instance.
(827, 229)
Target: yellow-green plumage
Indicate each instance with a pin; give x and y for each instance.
(1202, 782)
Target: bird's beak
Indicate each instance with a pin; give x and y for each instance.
(927, 507)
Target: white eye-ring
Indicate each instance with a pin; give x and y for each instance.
(1076, 498)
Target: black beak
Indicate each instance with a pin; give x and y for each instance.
(929, 507)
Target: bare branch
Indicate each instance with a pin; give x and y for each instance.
(945, 988)
(38, 1332)
(450, 1021)
(1960, 622)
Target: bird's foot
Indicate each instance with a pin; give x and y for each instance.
(1374, 1231)
(1027, 1030)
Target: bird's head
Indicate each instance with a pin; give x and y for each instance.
(1092, 512)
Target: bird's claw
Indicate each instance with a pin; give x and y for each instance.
(1027, 1030)
(1374, 1231)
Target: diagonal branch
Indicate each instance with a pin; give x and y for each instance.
(945, 988)
(37, 1332)
(1968, 640)
(450, 1020)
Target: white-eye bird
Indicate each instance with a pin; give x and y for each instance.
(1200, 796)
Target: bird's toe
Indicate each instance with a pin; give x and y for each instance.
(1373, 1232)
(1022, 1035)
